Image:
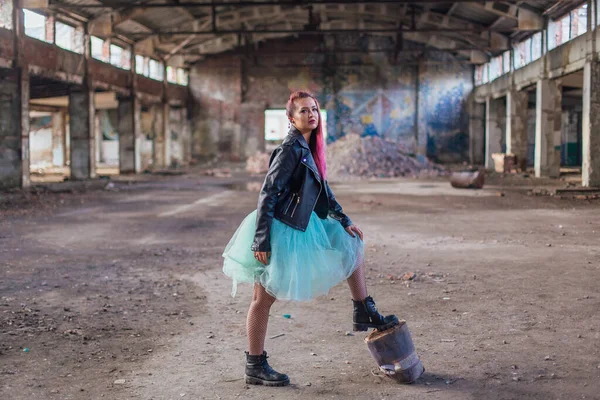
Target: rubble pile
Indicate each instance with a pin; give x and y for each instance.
(258, 163)
(373, 156)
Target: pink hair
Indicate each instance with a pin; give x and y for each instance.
(317, 142)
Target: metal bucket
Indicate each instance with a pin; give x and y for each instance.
(394, 352)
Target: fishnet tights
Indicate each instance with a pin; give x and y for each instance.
(258, 318)
(357, 281)
(258, 314)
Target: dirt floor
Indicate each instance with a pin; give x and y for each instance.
(119, 294)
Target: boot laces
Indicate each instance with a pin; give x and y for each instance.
(265, 364)
(370, 303)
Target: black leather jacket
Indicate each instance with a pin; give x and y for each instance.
(292, 190)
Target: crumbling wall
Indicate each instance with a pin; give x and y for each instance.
(418, 99)
(40, 141)
(216, 88)
(108, 137)
(180, 137)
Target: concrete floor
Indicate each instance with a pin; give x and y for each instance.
(106, 286)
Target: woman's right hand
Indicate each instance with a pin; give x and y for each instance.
(262, 256)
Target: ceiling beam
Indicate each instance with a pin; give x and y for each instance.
(489, 6)
(445, 21)
(438, 43)
(314, 31)
(249, 3)
(496, 22)
(352, 51)
(186, 41)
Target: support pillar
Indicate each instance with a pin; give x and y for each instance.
(166, 111)
(82, 134)
(161, 135)
(516, 125)
(14, 128)
(130, 156)
(591, 125)
(476, 132)
(14, 111)
(187, 137)
(252, 118)
(493, 130)
(548, 121)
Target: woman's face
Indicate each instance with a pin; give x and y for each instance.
(306, 115)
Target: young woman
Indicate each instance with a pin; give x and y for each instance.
(298, 243)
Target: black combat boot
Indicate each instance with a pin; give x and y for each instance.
(259, 372)
(366, 316)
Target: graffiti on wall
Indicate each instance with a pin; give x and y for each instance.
(443, 119)
(419, 101)
(368, 110)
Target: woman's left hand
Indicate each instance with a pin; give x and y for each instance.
(352, 229)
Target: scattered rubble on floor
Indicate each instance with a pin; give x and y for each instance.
(570, 192)
(373, 156)
(218, 172)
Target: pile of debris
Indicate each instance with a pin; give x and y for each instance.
(375, 157)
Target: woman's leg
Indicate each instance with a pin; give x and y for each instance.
(357, 282)
(365, 312)
(258, 370)
(258, 318)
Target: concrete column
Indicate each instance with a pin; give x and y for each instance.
(130, 157)
(186, 134)
(58, 139)
(516, 125)
(14, 128)
(493, 130)
(476, 132)
(252, 118)
(591, 125)
(98, 139)
(167, 132)
(82, 134)
(161, 135)
(548, 120)
(67, 137)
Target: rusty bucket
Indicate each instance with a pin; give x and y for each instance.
(468, 179)
(394, 352)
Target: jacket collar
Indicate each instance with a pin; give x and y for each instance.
(295, 134)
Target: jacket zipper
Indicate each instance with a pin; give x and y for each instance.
(314, 172)
(289, 204)
(317, 199)
(296, 205)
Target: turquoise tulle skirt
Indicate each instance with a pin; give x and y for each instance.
(303, 265)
